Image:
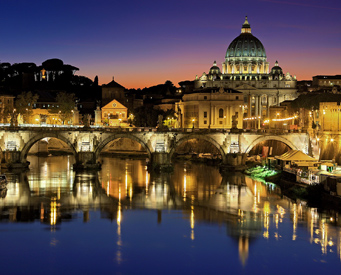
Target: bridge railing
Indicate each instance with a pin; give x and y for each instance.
(44, 127)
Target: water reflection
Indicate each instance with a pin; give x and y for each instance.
(250, 210)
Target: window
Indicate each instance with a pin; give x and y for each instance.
(221, 113)
(220, 122)
(237, 97)
(205, 121)
(205, 97)
(205, 114)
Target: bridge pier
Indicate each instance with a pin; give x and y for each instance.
(86, 161)
(11, 160)
(161, 162)
(234, 161)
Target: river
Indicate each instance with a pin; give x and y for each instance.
(124, 220)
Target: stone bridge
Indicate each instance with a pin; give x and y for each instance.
(88, 143)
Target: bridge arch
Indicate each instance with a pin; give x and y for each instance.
(106, 141)
(264, 138)
(198, 137)
(40, 136)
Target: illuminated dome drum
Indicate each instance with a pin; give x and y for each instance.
(246, 54)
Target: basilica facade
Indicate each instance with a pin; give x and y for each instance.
(245, 69)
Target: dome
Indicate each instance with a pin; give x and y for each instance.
(214, 70)
(276, 70)
(246, 45)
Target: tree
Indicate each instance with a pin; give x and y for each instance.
(24, 104)
(65, 103)
(146, 117)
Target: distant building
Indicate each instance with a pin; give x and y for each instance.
(326, 81)
(115, 114)
(329, 117)
(111, 91)
(54, 69)
(6, 106)
(211, 108)
(246, 70)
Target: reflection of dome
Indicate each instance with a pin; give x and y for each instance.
(276, 70)
(246, 45)
(214, 69)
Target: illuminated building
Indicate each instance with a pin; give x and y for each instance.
(6, 106)
(329, 117)
(246, 69)
(54, 70)
(111, 91)
(326, 81)
(115, 114)
(211, 108)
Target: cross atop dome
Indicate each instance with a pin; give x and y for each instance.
(246, 28)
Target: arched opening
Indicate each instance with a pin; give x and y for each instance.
(49, 150)
(221, 113)
(197, 148)
(124, 147)
(47, 145)
(267, 148)
(50, 146)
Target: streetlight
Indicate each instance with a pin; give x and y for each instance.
(193, 122)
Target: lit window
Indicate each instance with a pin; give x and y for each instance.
(221, 113)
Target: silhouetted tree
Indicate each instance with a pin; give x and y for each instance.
(146, 117)
(24, 104)
(95, 84)
(64, 106)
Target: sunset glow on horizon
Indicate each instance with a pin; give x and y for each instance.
(145, 44)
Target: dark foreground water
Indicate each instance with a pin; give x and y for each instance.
(125, 221)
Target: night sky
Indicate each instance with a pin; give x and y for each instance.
(144, 43)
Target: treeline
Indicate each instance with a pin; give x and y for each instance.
(52, 75)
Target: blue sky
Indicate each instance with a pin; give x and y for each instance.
(144, 43)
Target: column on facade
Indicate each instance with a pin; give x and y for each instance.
(240, 117)
(260, 107)
(249, 67)
(268, 106)
(262, 70)
(229, 116)
(256, 105)
(249, 105)
(226, 118)
(260, 111)
(212, 115)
